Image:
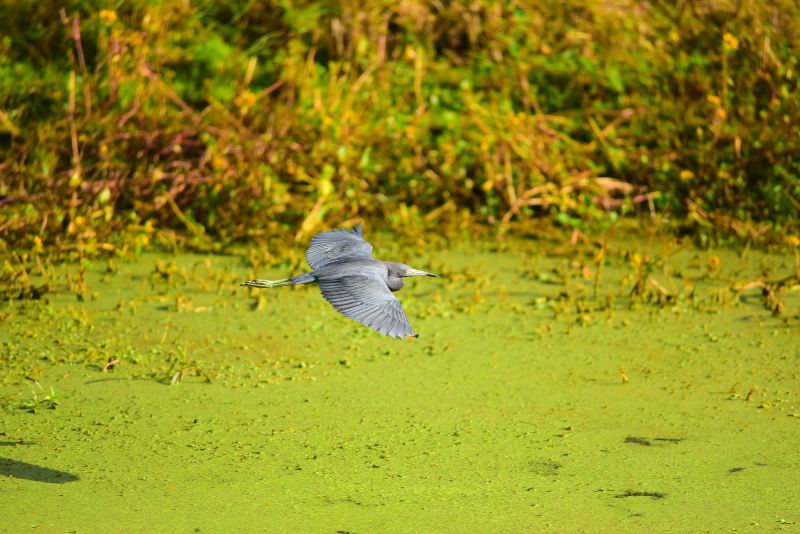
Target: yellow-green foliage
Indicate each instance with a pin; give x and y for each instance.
(231, 119)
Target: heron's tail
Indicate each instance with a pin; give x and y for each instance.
(304, 278)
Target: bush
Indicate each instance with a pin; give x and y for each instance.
(223, 120)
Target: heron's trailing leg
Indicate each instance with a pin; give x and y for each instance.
(268, 283)
(304, 278)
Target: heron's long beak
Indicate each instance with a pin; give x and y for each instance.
(415, 272)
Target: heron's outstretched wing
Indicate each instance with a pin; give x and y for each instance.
(366, 299)
(337, 245)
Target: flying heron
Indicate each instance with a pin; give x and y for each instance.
(356, 285)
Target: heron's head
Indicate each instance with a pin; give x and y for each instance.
(404, 271)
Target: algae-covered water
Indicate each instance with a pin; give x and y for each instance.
(541, 395)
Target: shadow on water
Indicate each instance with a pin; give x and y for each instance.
(33, 472)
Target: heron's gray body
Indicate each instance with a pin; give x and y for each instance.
(352, 282)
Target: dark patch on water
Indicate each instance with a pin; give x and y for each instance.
(546, 467)
(736, 470)
(670, 440)
(655, 495)
(26, 471)
(647, 443)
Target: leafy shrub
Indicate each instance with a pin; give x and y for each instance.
(224, 120)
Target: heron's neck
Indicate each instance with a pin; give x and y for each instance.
(394, 283)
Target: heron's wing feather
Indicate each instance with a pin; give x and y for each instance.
(366, 299)
(337, 245)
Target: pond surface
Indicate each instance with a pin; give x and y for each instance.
(540, 396)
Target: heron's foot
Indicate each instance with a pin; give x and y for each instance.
(266, 283)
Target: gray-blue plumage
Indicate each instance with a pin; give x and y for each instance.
(354, 283)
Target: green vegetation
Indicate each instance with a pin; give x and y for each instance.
(207, 122)
(539, 397)
(579, 371)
